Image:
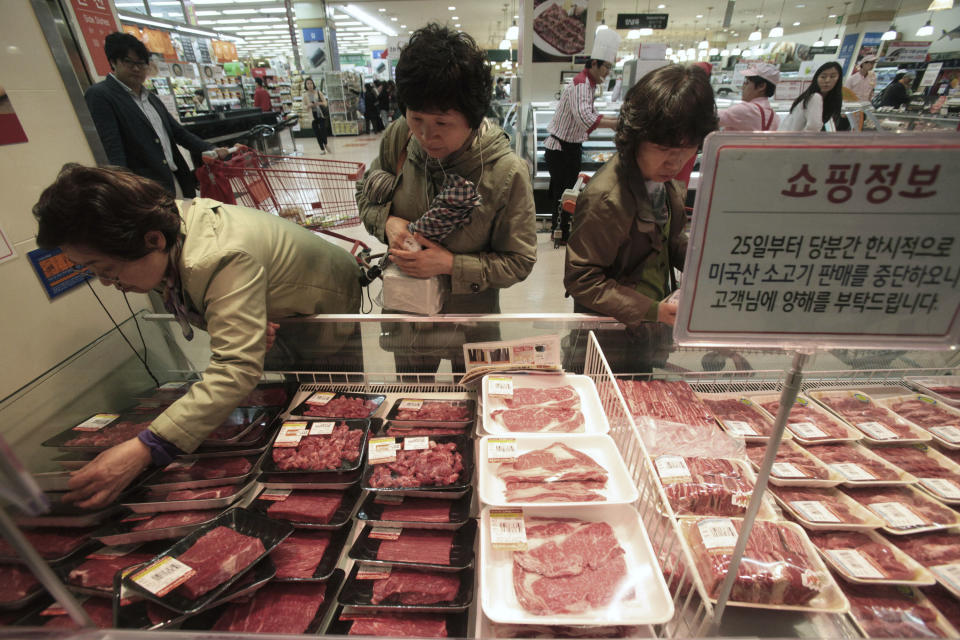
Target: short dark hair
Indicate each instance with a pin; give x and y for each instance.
(589, 63)
(259, 81)
(441, 69)
(762, 83)
(118, 44)
(671, 106)
(106, 209)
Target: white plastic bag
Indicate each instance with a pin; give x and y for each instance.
(424, 296)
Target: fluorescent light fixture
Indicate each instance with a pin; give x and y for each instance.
(264, 19)
(273, 10)
(703, 45)
(152, 23)
(756, 35)
(505, 44)
(403, 26)
(796, 24)
(349, 23)
(208, 21)
(835, 41)
(925, 30)
(230, 12)
(366, 18)
(209, 34)
(819, 42)
(455, 18)
(832, 15)
(890, 34)
(201, 13)
(451, 8)
(940, 5)
(703, 55)
(633, 34)
(699, 15)
(227, 21)
(646, 31)
(457, 25)
(776, 32)
(661, 6)
(382, 10)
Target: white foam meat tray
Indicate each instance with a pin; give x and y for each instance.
(595, 420)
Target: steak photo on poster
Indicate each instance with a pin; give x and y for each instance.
(558, 34)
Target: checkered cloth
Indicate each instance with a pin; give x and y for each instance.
(449, 210)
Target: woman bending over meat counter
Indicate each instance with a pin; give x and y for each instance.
(222, 268)
(628, 228)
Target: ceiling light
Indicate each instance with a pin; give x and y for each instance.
(633, 34)
(382, 10)
(703, 45)
(455, 18)
(819, 42)
(451, 8)
(756, 35)
(661, 6)
(699, 15)
(366, 18)
(940, 5)
(227, 21)
(646, 31)
(152, 23)
(199, 13)
(835, 41)
(890, 34)
(505, 44)
(349, 23)
(669, 51)
(714, 51)
(602, 26)
(725, 53)
(832, 15)
(403, 26)
(457, 25)
(759, 16)
(513, 31)
(273, 10)
(736, 51)
(238, 11)
(393, 19)
(796, 24)
(925, 30)
(691, 52)
(776, 32)
(801, 6)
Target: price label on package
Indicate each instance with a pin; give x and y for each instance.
(672, 467)
(942, 487)
(949, 574)
(501, 449)
(876, 431)
(321, 428)
(852, 471)
(321, 398)
(411, 404)
(368, 571)
(381, 450)
(814, 511)
(290, 434)
(897, 515)
(163, 576)
(786, 470)
(385, 533)
(508, 530)
(949, 433)
(854, 564)
(806, 430)
(277, 495)
(416, 443)
(739, 428)
(500, 386)
(97, 422)
(718, 533)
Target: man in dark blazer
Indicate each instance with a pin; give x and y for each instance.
(135, 128)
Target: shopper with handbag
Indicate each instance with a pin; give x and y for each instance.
(315, 99)
(818, 107)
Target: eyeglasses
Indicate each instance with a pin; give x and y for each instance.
(84, 269)
(136, 64)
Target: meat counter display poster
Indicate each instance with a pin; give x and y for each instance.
(839, 243)
(558, 33)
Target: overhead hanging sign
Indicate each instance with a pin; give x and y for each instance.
(900, 51)
(838, 241)
(642, 20)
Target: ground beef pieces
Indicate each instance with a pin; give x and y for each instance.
(438, 466)
(321, 453)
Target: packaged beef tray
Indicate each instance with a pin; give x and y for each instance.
(410, 512)
(859, 466)
(96, 573)
(309, 555)
(53, 544)
(317, 446)
(878, 424)
(831, 509)
(201, 472)
(407, 588)
(18, 586)
(397, 624)
(432, 413)
(665, 400)
(905, 509)
(794, 466)
(808, 422)
(308, 508)
(439, 467)
(437, 549)
(707, 486)
(895, 612)
(939, 418)
(541, 403)
(938, 475)
(740, 417)
(868, 558)
(343, 406)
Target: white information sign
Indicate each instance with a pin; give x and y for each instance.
(832, 241)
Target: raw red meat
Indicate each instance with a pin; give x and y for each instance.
(560, 30)
(49, 543)
(206, 493)
(953, 454)
(554, 463)
(176, 519)
(927, 509)
(540, 419)
(715, 487)
(108, 436)
(231, 427)
(321, 453)
(923, 413)
(857, 412)
(399, 625)
(265, 397)
(930, 549)
(828, 497)
(914, 461)
(406, 432)
(300, 553)
(437, 410)
(415, 587)
(343, 407)
(16, 583)
(438, 466)
(885, 612)
(787, 454)
(879, 554)
(662, 400)
(555, 398)
(809, 413)
(208, 469)
(100, 611)
(732, 409)
(316, 507)
(569, 566)
(946, 391)
(417, 510)
(276, 608)
(418, 545)
(97, 573)
(945, 602)
(571, 491)
(775, 568)
(560, 631)
(853, 454)
(218, 556)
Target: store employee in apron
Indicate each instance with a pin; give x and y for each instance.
(754, 112)
(574, 120)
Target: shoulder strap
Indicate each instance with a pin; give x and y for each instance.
(764, 122)
(403, 152)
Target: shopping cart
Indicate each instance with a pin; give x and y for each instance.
(314, 193)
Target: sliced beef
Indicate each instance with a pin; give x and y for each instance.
(530, 419)
(570, 491)
(347, 407)
(858, 412)
(715, 487)
(316, 507)
(208, 469)
(418, 545)
(885, 612)
(554, 463)
(49, 543)
(417, 510)
(278, 607)
(100, 611)
(176, 519)
(842, 453)
(668, 401)
(439, 465)
(300, 553)
(810, 468)
(218, 556)
(880, 555)
(205, 493)
(914, 461)
(927, 510)
(945, 602)
(416, 587)
(97, 573)
(16, 583)
(407, 432)
(110, 435)
(321, 453)
(828, 499)
(555, 398)
(733, 410)
(930, 549)
(400, 625)
(830, 426)
(437, 410)
(923, 413)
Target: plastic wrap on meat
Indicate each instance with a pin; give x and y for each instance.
(97, 573)
(930, 549)
(928, 510)
(230, 428)
(733, 410)
(437, 410)
(563, 631)
(218, 556)
(407, 432)
(417, 510)
(552, 469)
(400, 625)
(923, 413)
(206, 493)
(775, 568)
(857, 412)
(49, 543)
(315, 507)
(276, 608)
(880, 555)
(827, 497)
(945, 602)
(530, 419)
(208, 469)
(852, 454)
(417, 545)
(349, 407)
(560, 30)
(100, 611)
(947, 391)
(175, 519)
(914, 461)
(16, 582)
(809, 468)
(885, 612)
(830, 426)
(110, 435)
(570, 566)
(265, 397)
(662, 400)
(415, 587)
(565, 397)
(439, 465)
(300, 553)
(715, 487)
(321, 453)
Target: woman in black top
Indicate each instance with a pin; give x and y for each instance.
(897, 94)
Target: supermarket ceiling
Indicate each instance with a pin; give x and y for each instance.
(262, 23)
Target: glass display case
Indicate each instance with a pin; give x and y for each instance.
(896, 121)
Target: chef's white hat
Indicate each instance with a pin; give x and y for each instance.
(605, 45)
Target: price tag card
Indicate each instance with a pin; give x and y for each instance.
(321, 428)
(277, 495)
(949, 574)
(739, 428)
(179, 465)
(943, 487)
(368, 571)
(672, 467)
(381, 450)
(814, 511)
(500, 387)
(321, 398)
(385, 533)
(786, 470)
(949, 433)
(806, 430)
(501, 449)
(410, 404)
(897, 515)
(855, 564)
(876, 431)
(718, 533)
(508, 530)
(163, 576)
(416, 443)
(117, 551)
(853, 472)
(290, 434)
(387, 498)
(97, 422)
